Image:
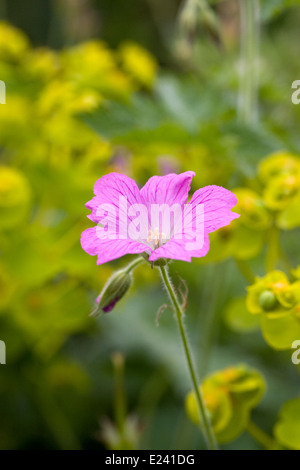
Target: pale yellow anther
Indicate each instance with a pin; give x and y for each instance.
(155, 236)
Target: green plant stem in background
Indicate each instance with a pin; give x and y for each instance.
(275, 255)
(219, 281)
(248, 87)
(273, 248)
(260, 436)
(206, 426)
(288, 266)
(245, 270)
(120, 401)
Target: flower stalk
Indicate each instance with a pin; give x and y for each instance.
(134, 264)
(260, 436)
(204, 419)
(120, 402)
(115, 288)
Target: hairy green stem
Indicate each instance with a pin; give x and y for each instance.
(204, 420)
(136, 262)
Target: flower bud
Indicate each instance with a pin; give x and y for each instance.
(115, 288)
(159, 262)
(267, 300)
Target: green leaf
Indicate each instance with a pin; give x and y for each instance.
(252, 144)
(289, 218)
(118, 119)
(280, 331)
(187, 103)
(287, 429)
(238, 318)
(181, 103)
(235, 426)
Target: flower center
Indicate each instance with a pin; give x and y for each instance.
(156, 237)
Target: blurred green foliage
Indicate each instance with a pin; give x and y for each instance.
(85, 107)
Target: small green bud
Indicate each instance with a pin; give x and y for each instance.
(159, 262)
(115, 288)
(267, 300)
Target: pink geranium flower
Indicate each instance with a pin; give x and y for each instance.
(122, 229)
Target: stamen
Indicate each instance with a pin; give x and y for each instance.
(156, 237)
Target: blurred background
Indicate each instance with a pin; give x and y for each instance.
(145, 87)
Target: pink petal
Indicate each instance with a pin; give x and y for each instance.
(218, 203)
(170, 189)
(178, 249)
(108, 190)
(96, 242)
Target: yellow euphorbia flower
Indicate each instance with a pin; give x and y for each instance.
(139, 63)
